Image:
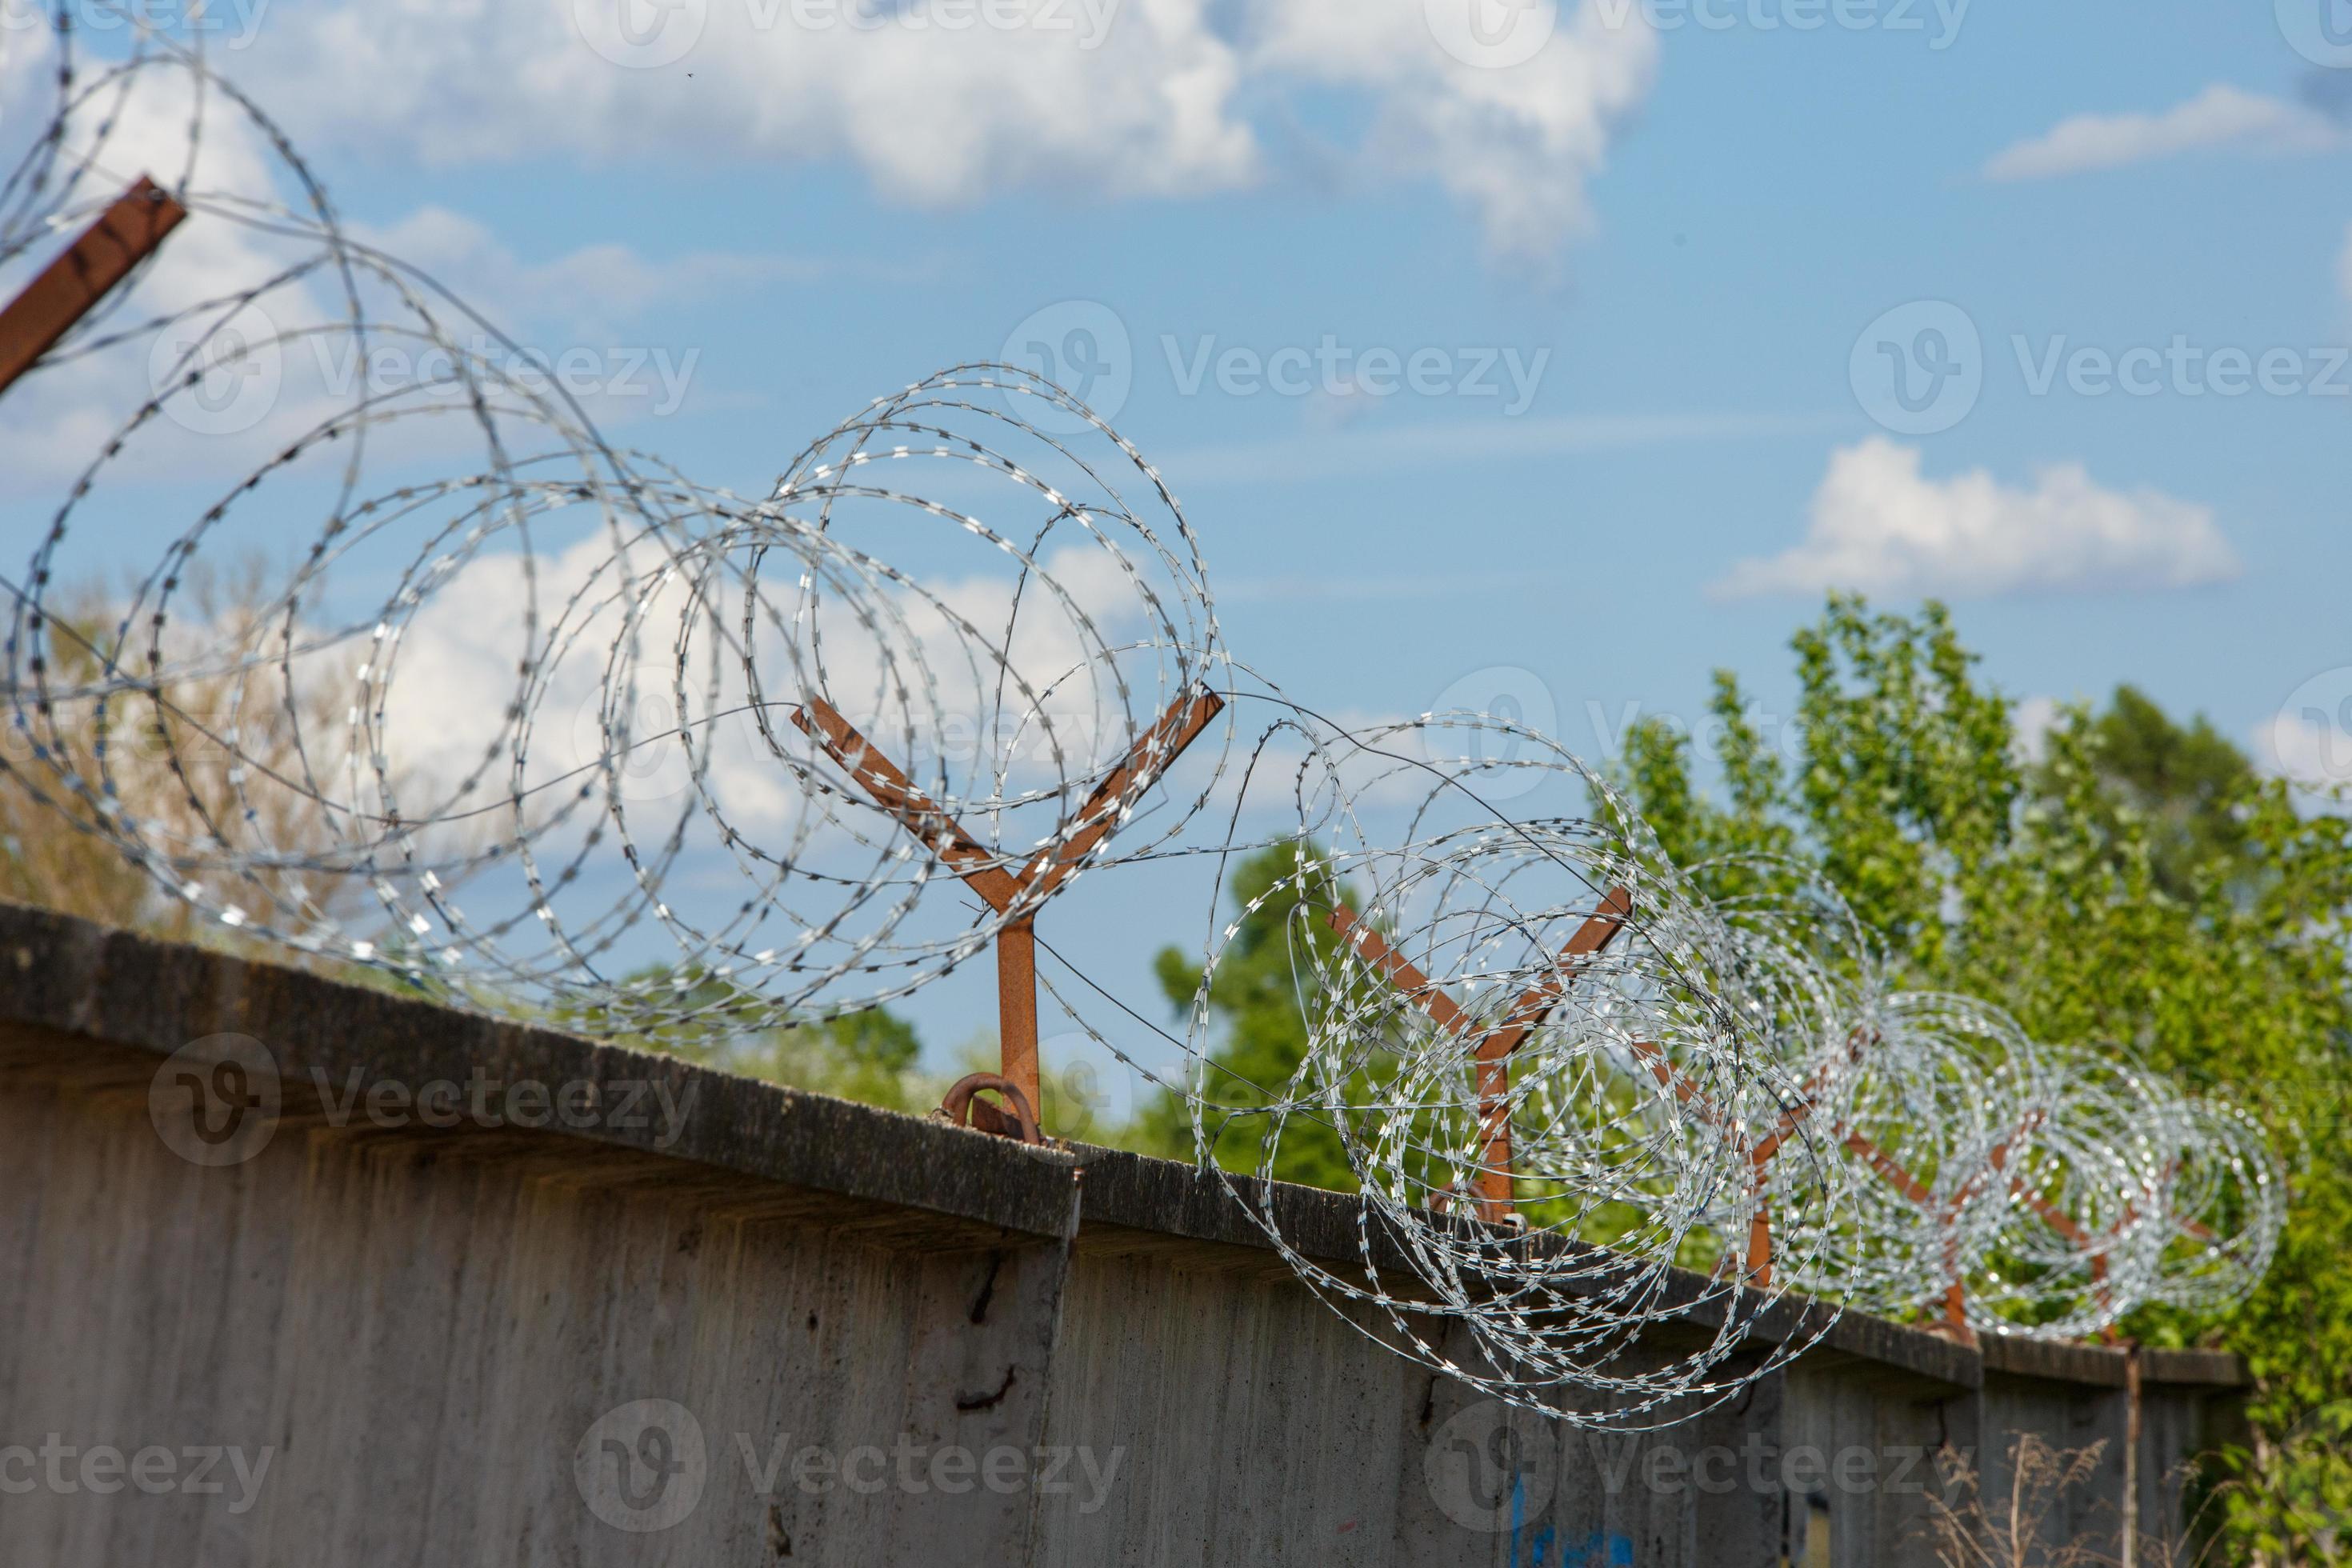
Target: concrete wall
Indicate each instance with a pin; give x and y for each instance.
(275, 1297)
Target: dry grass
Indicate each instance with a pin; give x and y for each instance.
(2036, 1525)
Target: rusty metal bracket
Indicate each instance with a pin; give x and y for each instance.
(1037, 880)
(962, 1108)
(1496, 1195)
(68, 288)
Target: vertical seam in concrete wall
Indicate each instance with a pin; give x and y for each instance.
(1033, 1541)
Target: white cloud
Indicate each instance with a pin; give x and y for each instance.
(1144, 99)
(1881, 525)
(1518, 144)
(929, 116)
(2220, 116)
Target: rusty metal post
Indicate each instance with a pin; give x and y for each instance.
(70, 286)
(1016, 1006)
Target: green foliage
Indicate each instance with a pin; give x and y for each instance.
(868, 1056)
(2288, 1497)
(2181, 783)
(2140, 886)
(1254, 999)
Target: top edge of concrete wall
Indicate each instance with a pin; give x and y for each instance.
(65, 980)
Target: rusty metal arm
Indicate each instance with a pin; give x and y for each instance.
(1397, 970)
(1496, 1190)
(68, 289)
(1888, 1167)
(1152, 755)
(1532, 1008)
(1494, 1182)
(896, 794)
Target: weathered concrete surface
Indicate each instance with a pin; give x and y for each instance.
(702, 1320)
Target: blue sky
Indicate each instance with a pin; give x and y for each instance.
(1677, 233)
(1772, 194)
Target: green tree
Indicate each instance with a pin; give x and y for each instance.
(1253, 999)
(2187, 784)
(2141, 884)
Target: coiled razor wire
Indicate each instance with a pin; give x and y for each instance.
(1522, 1040)
(2012, 1186)
(539, 723)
